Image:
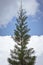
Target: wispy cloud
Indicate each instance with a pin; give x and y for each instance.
(9, 9)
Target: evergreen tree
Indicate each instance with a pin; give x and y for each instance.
(21, 55)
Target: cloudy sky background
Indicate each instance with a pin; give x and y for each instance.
(8, 14)
(9, 9)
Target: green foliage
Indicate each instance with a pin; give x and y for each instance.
(21, 55)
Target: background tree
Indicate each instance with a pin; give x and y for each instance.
(21, 55)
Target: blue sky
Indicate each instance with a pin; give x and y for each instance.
(36, 28)
(35, 17)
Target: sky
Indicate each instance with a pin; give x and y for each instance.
(8, 12)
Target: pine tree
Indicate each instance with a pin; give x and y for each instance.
(21, 55)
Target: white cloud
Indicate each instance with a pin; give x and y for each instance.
(7, 43)
(37, 43)
(9, 8)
